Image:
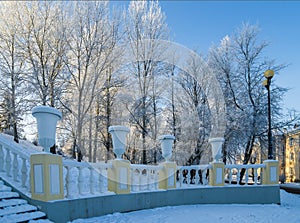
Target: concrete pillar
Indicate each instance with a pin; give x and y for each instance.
(167, 175)
(270, 172)
(216, 174)
(46, 177)
(119, 176)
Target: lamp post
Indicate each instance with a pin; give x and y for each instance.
(269, 75)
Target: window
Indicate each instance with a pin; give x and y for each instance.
(291, 156)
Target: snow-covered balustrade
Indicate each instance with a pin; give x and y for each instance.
(84, 179)
(192, 175)
(14, 163)
(144, 177)
(233, 173)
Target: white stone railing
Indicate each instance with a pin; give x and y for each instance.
(233, 173)
(194, 175)
(144, 177)
(15, 163)
(82, 178)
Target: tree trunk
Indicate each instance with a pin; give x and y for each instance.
(90, 135)
(247, 156)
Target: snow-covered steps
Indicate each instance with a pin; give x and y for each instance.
(14, 209)
(8, 194)
(17, 209)
(4, 188)
(11, 202)
(22, 217)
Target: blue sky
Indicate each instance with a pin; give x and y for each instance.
(199, 24)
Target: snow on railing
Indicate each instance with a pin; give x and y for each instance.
(233, 173)
(192, 175)
(15, 162)
(83, 179)
(144, 177)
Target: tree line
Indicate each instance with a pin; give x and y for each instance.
(65, 55)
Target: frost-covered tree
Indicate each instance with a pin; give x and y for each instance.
(105, 108)
(91, 38)
(12, 70)
(43, 43)
(145, 21)
(239, 63)
(197, 105)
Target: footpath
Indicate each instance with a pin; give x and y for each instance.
(291, 188)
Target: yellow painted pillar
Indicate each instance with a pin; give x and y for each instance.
(167, 175)
(46, 177)
(216, 174)
(270, 172)
(119, 176)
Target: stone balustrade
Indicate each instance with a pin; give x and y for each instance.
(82, 179)
(192, 175)
(15, 163)
(144, 177)
(251, 175)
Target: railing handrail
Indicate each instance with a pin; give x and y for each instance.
(92, 178)
(143, 166)
(16, 147)
(244, 166)
(201, 167)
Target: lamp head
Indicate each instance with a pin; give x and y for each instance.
(269, 74)
(265, 83)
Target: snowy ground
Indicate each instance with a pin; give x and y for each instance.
(288, 211)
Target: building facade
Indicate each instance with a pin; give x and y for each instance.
(291, 162)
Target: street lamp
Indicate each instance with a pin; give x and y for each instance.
(269, 75)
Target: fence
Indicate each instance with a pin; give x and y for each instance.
(82, 179)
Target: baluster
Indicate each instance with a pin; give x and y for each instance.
(180, 177)
(156, 180)
(68, 182)
(188, 177)
(238, 176)
(80, 180)
(1, 159)
(131, 178)
(8, 162)
(247, 176)
(92, 180)
(140, 180)
(15, 167)
(105, 179)
(197, 177)
(230, 176)
(153, 178)
(149, 179)
(144, 179)
(255, 175)
(24, 172)
(101, 181)
(204, 180)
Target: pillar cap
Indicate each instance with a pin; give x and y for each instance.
(118, 128)
(166, 137)
(46, 109)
